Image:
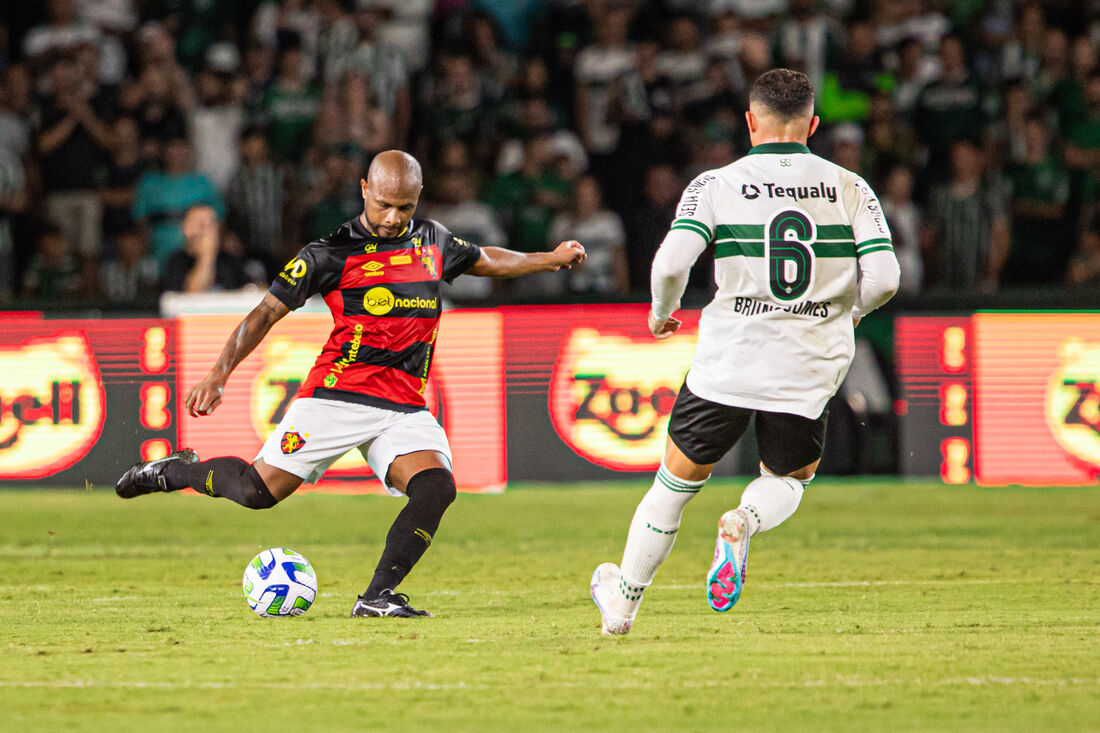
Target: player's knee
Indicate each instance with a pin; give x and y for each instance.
(256, 494)
(433, 485)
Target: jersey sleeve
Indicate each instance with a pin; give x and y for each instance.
(303, 277)
(458, 254)
(695, 212)
(869, 227)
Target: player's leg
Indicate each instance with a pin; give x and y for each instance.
(414, 457)
(790, 450)
(309, 438)
(700, 433)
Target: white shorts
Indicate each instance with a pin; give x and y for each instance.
(315, 433)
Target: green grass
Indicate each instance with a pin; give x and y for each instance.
(880, 606)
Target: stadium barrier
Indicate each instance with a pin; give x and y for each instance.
(534, 393)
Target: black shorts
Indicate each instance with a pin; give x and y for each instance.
(704, 431)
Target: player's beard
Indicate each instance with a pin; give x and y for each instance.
(378, 230)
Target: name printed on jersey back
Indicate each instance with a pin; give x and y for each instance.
(690, 201)
(743, 306)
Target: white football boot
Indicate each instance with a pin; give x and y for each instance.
(605, 581)
(726, 578)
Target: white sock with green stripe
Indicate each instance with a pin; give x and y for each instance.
(652, 535)
(771, 500)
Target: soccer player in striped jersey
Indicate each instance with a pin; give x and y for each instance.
(381, 275)
(802, 252)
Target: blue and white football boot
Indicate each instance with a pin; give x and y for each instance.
(726, 578)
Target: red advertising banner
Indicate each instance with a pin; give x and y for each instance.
(1001, 398)
(1037, 406)
(465, 392)
(591, 382)
(83, 399)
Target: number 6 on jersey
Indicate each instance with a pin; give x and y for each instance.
(788, 249)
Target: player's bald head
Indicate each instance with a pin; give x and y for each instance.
(395, 172)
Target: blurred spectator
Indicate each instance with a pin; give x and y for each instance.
(528, 199)
(62, 34)
(682, 63)
(203, 265)
(73, 138)
(806, 39)
(904, 218)
(255, 200)
(889, 140)
(967, 227)
(601, 231)
(516, 18)
(277, 19)
(385, 67)
(1083, 143)
(914, 71)
(338, 39)
(217, 118)
(1041, 243)
(648, 222)
(290, 106)
(1068, 95)
(1084, 267)
(161, 94)
(846, 147)
(495, 66)
(131, 273)
(164, 196)
(950, 109)
(123, 174)
(1020, 57)
(850, 81)
(259, 70)
(53, 272)
(456, 103)
(456, 208)
(337, 199)
(15, 108)
(350, 121)
(598, 66)
(14, 200)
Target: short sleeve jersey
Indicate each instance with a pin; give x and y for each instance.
(384, 295)
(788, 229)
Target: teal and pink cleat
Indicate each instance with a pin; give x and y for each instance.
(726, 578)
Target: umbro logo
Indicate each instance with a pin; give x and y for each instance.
(750, 191)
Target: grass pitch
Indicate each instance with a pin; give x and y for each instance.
(880, 606)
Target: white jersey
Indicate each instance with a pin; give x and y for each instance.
(789, 229)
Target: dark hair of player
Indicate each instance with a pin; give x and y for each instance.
(787, 93)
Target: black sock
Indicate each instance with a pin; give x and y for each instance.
(430, 492)
(232, 478)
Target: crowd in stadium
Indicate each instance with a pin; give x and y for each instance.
(144, 141)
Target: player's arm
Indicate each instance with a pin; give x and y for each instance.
(879, 277)
(669, 276)
(506, 263)
(205, 396)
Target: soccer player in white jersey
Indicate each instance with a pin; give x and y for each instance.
(802, 252)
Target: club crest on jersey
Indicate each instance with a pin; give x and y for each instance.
(292, 442)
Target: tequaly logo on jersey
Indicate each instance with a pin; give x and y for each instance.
(1073, 401)
(51, 405)
(611, 395)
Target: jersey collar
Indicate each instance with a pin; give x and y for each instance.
(779, 148)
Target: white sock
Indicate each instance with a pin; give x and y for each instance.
(770, 500)
(652, 535)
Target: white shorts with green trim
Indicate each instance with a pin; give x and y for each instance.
(315, 433)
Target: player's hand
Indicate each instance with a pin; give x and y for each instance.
(663, 328)
(204, 397)
(569, 253)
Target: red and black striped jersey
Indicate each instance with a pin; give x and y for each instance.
(384, 295)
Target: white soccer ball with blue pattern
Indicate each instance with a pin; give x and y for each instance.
(280, 582)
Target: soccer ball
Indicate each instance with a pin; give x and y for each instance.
(279, 582)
